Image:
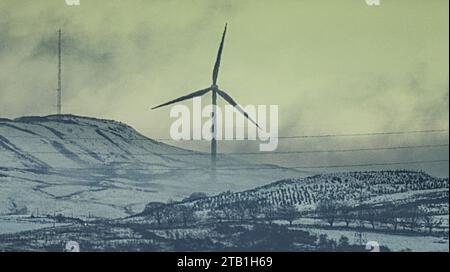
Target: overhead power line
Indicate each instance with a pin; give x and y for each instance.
(246, 153)
(279, 137)
(370, 164)
(367, 134)
(261, 167)
(341, 135)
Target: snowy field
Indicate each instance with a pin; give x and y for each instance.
(17, 224)
(393, 242)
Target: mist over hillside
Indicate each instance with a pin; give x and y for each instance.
(79, 165)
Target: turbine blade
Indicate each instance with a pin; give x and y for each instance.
(186, 97)
(230, 100)
(219, 56)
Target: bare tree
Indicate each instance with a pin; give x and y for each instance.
(394, 221)
(158, 215)
(372, 216)
(254, 210)
(171, 215)
(156, 211)
(392, 216)
(346, 214)
(413, 218)
(327, 209)
(289, 213)
(270, 213)
(241, 209)
(410, 218)
(430, 222)
(187, 214)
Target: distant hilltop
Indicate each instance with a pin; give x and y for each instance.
(68, 163)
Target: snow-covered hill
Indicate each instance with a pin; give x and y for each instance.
(78, 165)
(353, 188)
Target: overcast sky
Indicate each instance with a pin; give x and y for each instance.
(331, 66)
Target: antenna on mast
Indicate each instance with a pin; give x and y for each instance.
(59, 90)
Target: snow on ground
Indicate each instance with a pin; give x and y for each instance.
(395, 242)
(56, 163)
(13, 224)
(392, 241)
(404, 195)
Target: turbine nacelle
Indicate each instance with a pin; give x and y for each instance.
(214, 87)
(216, 91)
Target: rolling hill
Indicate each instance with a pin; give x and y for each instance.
(85, 166)
(353, 188)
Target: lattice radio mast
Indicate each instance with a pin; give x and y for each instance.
(59, 90)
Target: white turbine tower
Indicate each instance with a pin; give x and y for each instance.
(214, 89)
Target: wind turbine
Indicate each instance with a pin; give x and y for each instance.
(214, 89)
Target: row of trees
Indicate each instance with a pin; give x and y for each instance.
(171, 215)
(391, 217)
(255, 212)
(412, 218)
